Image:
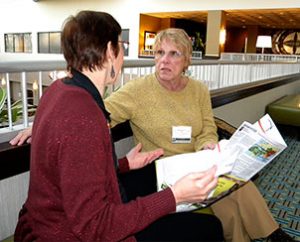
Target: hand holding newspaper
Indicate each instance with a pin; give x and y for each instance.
(249, 149)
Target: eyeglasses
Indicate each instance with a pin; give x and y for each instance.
(125, 44)
(173, 54)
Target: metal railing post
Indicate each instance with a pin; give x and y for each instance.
(24, 99)
(40, 84)
(9, 110)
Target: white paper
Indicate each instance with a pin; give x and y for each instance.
(249, 149)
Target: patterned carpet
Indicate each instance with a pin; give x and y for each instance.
(279, 183)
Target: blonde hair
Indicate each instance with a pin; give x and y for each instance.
(181, 40)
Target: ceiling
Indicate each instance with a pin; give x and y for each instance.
(265, 18)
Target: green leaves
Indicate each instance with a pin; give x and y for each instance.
(3, 112)
(3, 96)
(16, 109)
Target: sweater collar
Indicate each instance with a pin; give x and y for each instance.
(81, 80)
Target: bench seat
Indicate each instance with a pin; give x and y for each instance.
(285, 110)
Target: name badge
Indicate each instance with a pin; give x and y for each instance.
(181, 134)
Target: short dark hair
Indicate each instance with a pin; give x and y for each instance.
(84, 39)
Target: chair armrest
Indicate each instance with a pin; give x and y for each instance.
(224, 129)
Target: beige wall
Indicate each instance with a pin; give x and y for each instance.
(253, 107)
(48, 15)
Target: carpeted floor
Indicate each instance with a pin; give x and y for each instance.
(279, 183)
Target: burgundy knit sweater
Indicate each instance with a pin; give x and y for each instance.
(74, 193)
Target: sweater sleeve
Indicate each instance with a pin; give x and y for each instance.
(89, 187)
(209, 130)
(123, 165)
(122, 103)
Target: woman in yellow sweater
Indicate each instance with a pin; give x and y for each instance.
(171, 110)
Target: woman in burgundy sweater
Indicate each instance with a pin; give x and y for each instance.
(74, 193)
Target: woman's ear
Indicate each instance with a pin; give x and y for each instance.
(187, 63)
(110, 54)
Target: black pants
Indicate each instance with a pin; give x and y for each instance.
(185, 226)
(141, 182)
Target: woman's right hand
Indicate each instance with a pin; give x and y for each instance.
(22, 136)
(195, 187)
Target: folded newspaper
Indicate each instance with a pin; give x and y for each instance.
(250, 148)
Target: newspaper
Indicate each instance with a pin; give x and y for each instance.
(238, 159)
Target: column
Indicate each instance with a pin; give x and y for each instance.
(216, 21)
(252, 32)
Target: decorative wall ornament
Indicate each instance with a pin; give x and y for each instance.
(287, 42)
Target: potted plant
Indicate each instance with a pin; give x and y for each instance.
(16, 109)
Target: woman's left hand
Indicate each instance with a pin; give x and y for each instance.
(138, 159)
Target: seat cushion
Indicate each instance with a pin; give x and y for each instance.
(285, 110)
